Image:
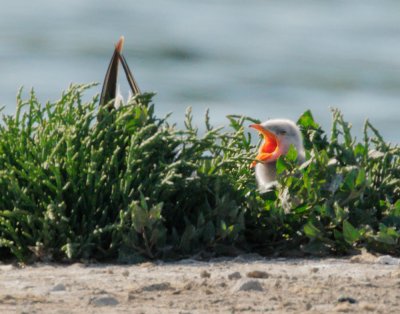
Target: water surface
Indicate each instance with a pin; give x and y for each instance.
(259, 58)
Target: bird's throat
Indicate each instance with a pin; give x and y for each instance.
(265, 173)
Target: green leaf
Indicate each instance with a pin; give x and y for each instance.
(387, 235)
(350, 233)
(140, 217)
(155, 212)
(340, 213)
(311, 231)
(306, 120)
(396, 208)
(316, 247)
(360, 150)
(223, 226)
(292, 153)
(338, 235)
(360, 180)
(281, 165)
(349, 179)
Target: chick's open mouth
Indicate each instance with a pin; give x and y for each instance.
(269, 150)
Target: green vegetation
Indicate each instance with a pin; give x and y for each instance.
(81, 182)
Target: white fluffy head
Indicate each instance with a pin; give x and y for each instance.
(288, 134)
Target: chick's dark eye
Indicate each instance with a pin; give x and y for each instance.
(282, 132)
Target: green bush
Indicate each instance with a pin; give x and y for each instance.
(82, 182)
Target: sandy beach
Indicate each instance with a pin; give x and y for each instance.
(245, 284)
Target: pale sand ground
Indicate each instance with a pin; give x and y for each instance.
(246, 284)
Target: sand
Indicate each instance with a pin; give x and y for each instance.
(245, 284)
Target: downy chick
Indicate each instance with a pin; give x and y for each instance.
(278, 135)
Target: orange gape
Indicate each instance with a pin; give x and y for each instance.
(269, 149)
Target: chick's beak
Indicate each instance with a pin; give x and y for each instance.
(269, 150)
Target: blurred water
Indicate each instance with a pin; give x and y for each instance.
(259, 58)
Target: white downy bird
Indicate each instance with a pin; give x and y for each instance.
(278, 135)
